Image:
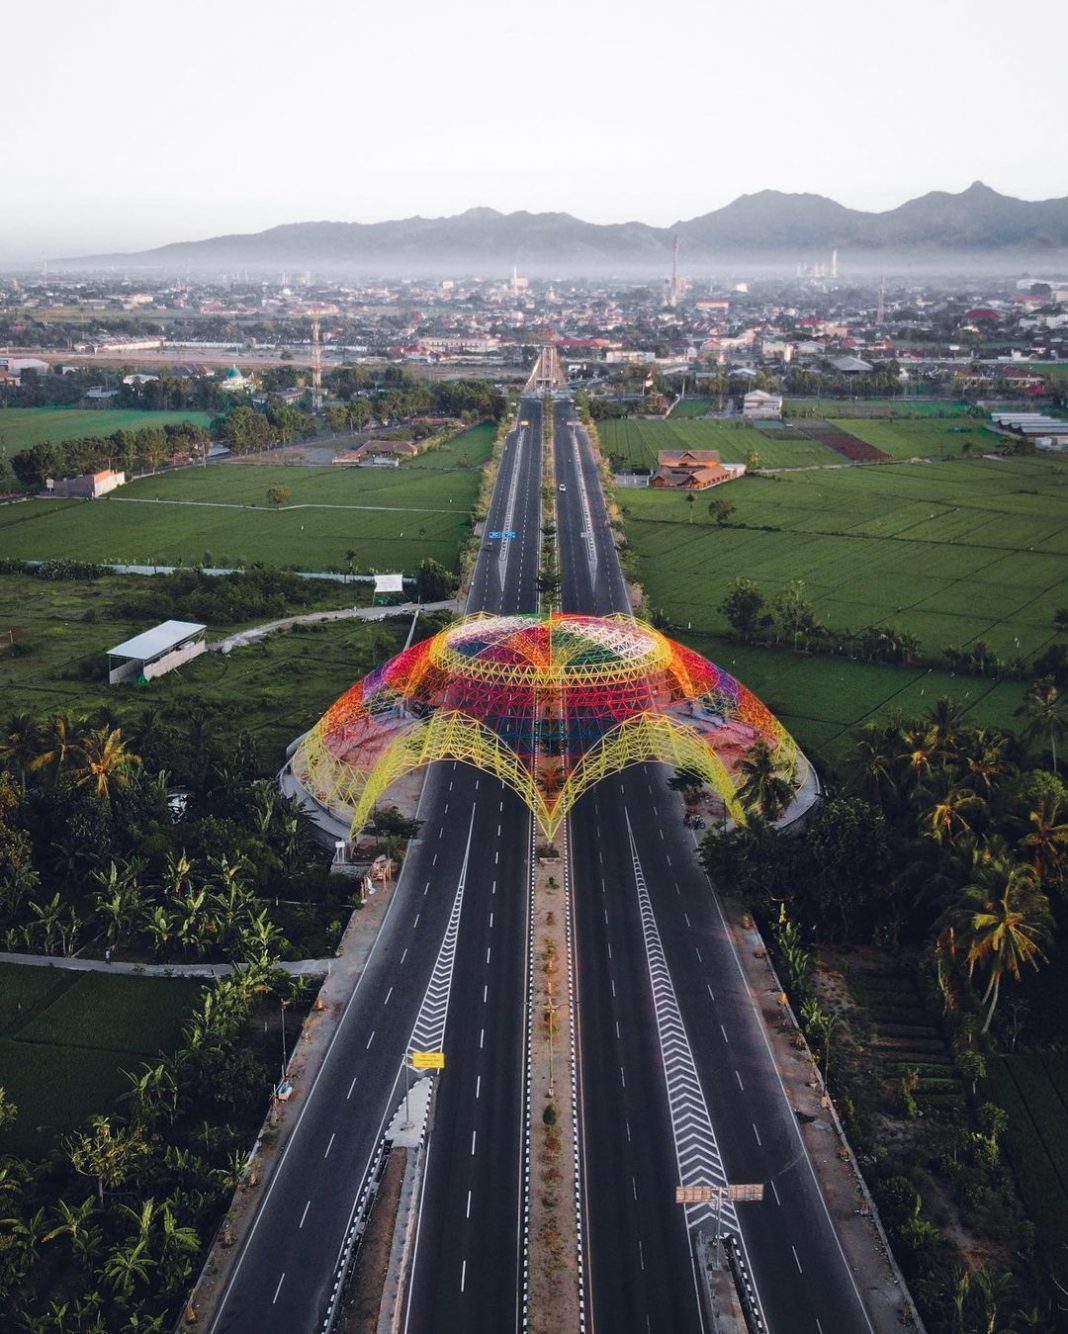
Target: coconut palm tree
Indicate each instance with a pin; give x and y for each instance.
(877, 750)
(1001, 921)
(987, 758)
(1044, 708)
(948, 818)
(1048, 839)
(19, 743)
(57, 746)
(102, 760)
(764, 788)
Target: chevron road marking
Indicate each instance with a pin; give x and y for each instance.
(696, 1151)
(429, 1031)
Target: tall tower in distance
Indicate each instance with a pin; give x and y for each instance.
(880, 309)
(317, 367)
(673, 289)
(834, 262)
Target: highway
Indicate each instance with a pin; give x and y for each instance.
(627, 835)
(283, 1276)
(467, 1272)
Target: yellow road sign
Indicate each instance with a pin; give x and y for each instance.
(428, 1060)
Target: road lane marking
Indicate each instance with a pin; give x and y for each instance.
(724, 1032)
(757, 1134)
(351, 1087)
(776, 1194)
(628, 1132)
(388, 994)
(474, 1136)
(489, 951)
(481, 1038)
(622, 1077)
(330, 1145)
(698, 953)
(370, 1039)
(491, 921)
(279, 1288)
(739, 1079)
(416, 922)
(485, 992)
(688, 922)
(796, 1260)
(405, 954)
(463, 1275)
(711, 993)
(613, 980)
(468, 1214)
(633, 1186)
(304, 1215)
(478, 1086)
(641, 1252)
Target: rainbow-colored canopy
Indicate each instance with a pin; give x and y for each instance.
(549, 703)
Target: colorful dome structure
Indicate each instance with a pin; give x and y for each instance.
(549, 703)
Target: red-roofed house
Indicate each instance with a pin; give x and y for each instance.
(693, 469)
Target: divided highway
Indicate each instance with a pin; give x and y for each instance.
(283, 1276)
(641, 1275)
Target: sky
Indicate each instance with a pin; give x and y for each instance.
(130, 125)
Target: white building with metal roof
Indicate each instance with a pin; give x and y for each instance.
(155, 652)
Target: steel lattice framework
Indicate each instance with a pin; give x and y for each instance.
(550, 703)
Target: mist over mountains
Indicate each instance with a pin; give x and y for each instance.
(977, 227)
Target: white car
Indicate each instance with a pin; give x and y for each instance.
(563, 486)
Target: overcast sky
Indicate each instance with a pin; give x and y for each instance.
(130, 124)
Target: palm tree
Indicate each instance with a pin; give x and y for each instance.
(764, 789)
(19, 743)
(877, 750)
(57, 745)
(1043, 707)
(103, 760)
(987, 757)
(947, 820)
(1048, 838)
(1001, 920)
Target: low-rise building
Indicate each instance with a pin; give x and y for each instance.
(758, 405)
(89, 486)
(693, 470)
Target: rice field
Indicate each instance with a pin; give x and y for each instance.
(633, 443)
(21, 428)
(953, 552)
(391, 518)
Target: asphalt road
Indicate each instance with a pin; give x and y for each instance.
(641, 1275)
(283, 1276)
(467, 1272)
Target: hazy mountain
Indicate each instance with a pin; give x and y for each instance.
(769, 225)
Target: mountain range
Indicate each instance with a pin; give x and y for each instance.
(977, 224)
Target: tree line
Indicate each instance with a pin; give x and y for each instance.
(789, 620)
(143, 450)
